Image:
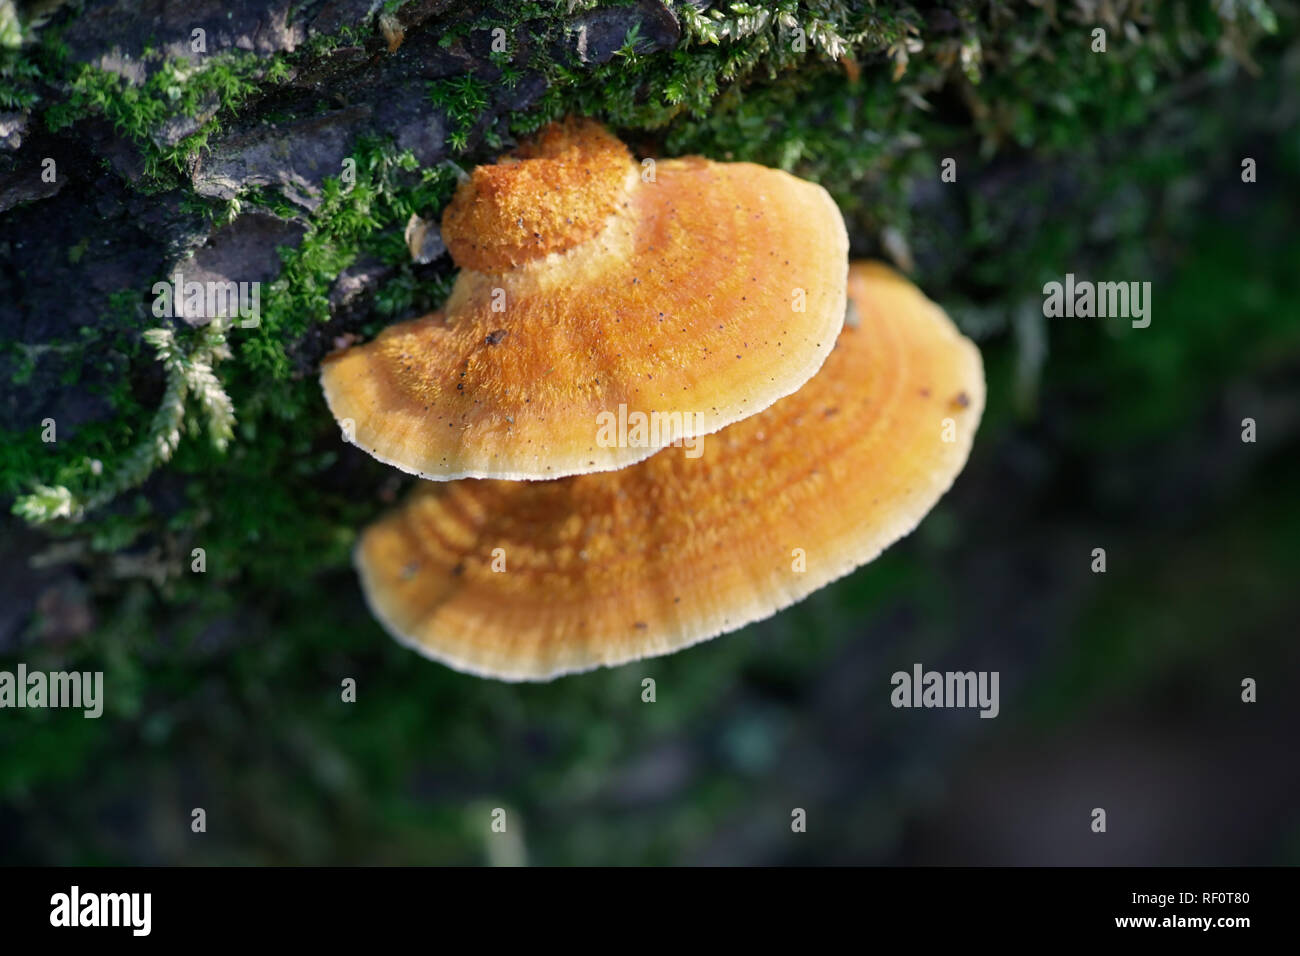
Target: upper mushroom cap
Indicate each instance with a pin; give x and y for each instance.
(702, 293)
(606, 568)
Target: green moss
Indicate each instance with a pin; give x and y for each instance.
(323, 44)
(18, 85)
(106, 348)
(219, 84)
(365, 216)
(189, 374)
(26, 55)
(464, 98)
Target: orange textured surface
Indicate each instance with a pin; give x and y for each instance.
(712, 292)
(552, 193)
(610, 567)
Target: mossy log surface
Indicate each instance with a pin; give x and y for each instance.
(290, 143)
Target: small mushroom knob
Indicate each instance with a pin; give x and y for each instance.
(549, 196)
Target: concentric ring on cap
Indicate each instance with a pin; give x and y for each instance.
(530, 580)
(710, 291)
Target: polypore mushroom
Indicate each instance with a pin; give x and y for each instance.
(529, 580)
(685, 295)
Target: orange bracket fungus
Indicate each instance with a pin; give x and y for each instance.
(691, 299)
(530, 580)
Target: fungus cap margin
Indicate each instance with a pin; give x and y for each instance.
(608, 568)
(710, 293)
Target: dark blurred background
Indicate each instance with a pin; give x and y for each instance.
(1119, 690)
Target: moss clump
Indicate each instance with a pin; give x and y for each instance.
(176, 90)
(20, 75)
(189, 373)
(463, 98)
(357, 218)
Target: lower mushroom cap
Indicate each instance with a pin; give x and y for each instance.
(527, 581)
